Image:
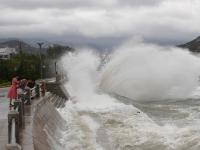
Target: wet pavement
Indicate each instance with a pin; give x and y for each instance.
(45, 124)
(26, 133)
(3, 118)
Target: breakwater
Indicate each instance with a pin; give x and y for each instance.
(34, 121)
(47, 122)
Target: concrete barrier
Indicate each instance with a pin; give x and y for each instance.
(16, 117)
(13, 131)
(46, 122)
(56, 88)
(44, 119)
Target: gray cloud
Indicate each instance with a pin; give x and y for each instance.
(102, 23)
(139, 2)
(34, 4)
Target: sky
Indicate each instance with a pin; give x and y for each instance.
(101, 23)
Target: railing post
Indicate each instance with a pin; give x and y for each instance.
(43, 88)
(13, 147)
(37, 90)
(13, 114)
(20, 111)
(9, 128)
(23, 98)
(28, 96)
(57, 77)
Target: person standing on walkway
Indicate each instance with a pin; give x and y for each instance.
(12, 92)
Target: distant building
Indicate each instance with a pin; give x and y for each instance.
(7, 53)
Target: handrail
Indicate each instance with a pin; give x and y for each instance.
(16, 115)
(33, 92)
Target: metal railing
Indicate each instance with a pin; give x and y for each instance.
(33, 92)
(16, 115)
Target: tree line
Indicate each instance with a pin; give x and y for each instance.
(29, 65)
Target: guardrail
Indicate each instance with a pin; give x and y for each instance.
(16, 115)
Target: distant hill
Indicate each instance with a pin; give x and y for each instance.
(18, 44)
(193, 45)
(31, 46)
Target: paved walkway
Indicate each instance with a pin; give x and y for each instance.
(3, 118)
(26, 135)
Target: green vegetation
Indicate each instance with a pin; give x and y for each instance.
(29, 66)
(56, 51)
(4, 83)
(23, 64)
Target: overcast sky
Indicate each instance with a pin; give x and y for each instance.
(101, 22)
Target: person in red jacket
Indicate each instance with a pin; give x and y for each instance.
(12, 92)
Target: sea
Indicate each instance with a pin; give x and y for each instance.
(137, 97)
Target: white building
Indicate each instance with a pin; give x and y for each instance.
(6, 53)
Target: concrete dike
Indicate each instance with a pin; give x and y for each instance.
(34, 123)
(47, 123)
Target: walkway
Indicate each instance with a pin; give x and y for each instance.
(3, 118)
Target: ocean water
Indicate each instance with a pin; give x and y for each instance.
(141, 97)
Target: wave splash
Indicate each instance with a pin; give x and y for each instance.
(149, 72)
(97, 121)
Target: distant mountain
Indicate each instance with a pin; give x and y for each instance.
(193, 45)
(33, 42)
(30, 45)
(18, 44)
(21, 44)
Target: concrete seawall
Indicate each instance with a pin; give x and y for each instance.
(42, 123)
(57, 89)
(47, 123)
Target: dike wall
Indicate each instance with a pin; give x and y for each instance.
(47, 123)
